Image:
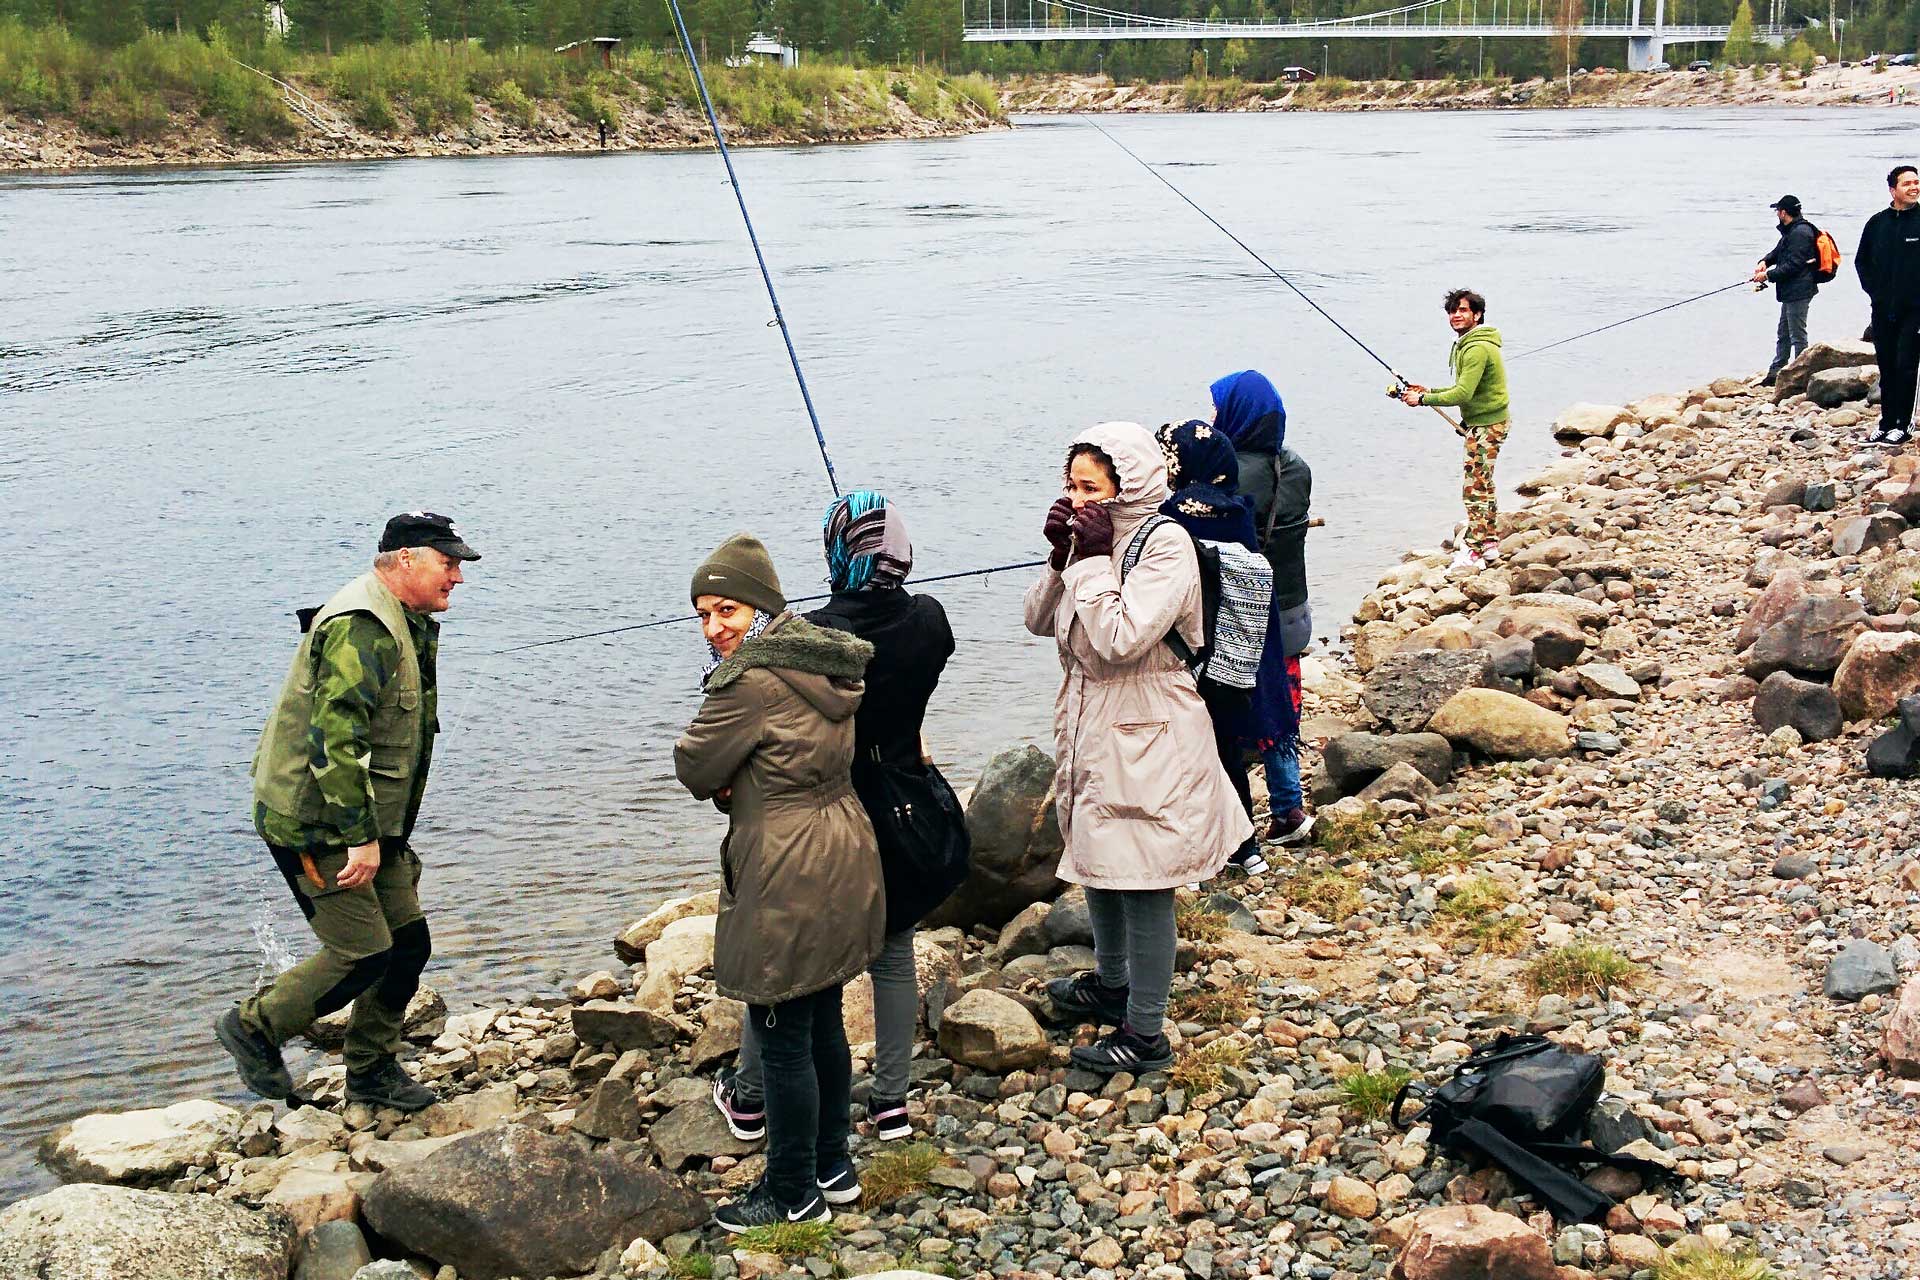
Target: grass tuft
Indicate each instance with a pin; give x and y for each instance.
(1199, 922)
(1345, 835)
(691, 1266)
(1370, 1094)
(788, 1239)
(895, 1175)
(1475, 912)
(1704, 1262)
(1215, 1007)
(1197, 1070)
(1579, 969)
(1432, 847)
(1331, 895)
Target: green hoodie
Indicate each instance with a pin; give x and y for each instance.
(1479, 379)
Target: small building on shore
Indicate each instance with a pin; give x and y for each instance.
(765, 48)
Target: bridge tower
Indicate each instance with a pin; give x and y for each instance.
(1644, 51)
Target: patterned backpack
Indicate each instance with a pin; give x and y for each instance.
(1236, 594)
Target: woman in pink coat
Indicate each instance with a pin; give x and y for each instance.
(1144, 805)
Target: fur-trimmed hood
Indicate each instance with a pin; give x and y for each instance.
(820, 664)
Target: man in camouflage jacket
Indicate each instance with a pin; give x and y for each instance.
(337, 782)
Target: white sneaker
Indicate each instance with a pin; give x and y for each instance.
(1469, 559)
(1490, 553)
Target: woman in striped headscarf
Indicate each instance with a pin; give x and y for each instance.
(868, 558)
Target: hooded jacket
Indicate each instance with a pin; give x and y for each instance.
(1792, 263)
(802, 907)
(1479, 379)
(1142, 798)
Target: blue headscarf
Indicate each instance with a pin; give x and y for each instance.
(1247, 410)
(867, 544)
(1204, 476)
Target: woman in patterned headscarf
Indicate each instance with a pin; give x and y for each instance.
(868, 558)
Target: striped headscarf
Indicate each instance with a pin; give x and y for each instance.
(867, 544)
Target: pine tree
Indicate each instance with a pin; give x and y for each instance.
(1740, 47)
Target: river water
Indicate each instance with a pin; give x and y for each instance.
(217, 384)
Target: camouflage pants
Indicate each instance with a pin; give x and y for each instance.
(1483, 450)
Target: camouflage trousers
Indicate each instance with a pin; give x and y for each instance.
(1483, 450)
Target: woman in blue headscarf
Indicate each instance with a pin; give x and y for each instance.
(869, 556)
(1279, 485)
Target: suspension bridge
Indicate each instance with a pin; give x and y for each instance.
(1643, 25)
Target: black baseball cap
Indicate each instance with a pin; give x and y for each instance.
(426, 529)
(1790, 203)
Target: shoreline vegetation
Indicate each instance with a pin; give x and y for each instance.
(167, 99)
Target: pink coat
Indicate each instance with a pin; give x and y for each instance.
(1143, 800)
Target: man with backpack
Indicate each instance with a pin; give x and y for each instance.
(1793, 266)
(1888, 262)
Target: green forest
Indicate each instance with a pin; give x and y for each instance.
(893, 32)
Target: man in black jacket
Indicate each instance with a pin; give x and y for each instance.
(1792, 265)
(1888, 261)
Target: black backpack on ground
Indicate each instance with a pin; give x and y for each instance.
(1896, 753)
(1521, 1103)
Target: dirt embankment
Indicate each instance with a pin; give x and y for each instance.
(1838, 86)
(325, 130)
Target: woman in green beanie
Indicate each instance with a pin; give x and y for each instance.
(801, 907)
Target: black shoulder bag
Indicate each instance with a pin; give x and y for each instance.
(925, 850)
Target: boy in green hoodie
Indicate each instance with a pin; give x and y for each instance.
(1480, 390)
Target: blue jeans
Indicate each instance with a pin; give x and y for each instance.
(1283, 781)
(1790, 335)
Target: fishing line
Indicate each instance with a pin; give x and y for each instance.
(1630, 319)
(706, 101)
(692, 617)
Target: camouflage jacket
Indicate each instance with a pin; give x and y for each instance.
(354, 658)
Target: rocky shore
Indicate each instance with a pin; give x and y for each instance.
(1611, 789)
(1755, 87)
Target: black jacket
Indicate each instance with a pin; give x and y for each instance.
(1888, 259)
(911, 644)
(1792, 262)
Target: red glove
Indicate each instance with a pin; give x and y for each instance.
(1059, 531)
(1092, 531)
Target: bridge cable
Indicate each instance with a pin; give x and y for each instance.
(706, 101)
(663, 622)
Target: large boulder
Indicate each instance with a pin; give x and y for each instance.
(1016, 843)
(140, 1148)
(1405, 689)
(1811, 709)
(1891, 582)
(426, 1017)
(1810, 638)
(1353, 760)
(1557, 637)
(1784, 589)
(1473, 1242)
(89, 1232)
(1856, 534)
(683, 949)
(1797, 372)
(992, 1032)
(513, 1201)
(1900, 1048)
(1831, 388)
(631, 945)
(1581, 421)
(335, 1251)
(694, 1131)
(1881, 667)
(625, 1026)
(1502, 726)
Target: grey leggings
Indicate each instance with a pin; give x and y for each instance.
(1133, 941)
(896, 1012)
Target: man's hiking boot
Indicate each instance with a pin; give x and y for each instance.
(262, 1069)
(1124, 1049)
(1084, 998)
(746, 1116)
(1291, 827)
(389, 1085)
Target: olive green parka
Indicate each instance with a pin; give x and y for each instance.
(803, 906)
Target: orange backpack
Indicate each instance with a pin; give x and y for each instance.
(1828, 263)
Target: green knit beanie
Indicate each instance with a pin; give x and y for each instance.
(741, 570)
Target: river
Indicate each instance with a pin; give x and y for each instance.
(218, 383)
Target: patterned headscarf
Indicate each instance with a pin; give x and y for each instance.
(761, 619)
(1204, 475)
(867, 544)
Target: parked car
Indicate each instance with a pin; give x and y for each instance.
(1901, 60)
(1871, 60)
(1299, 75)
(1700, 64)
(1661, 66)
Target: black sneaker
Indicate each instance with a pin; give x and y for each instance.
(1894, 437)
(890, 1120)
(262, 1069)
(1122, 1050)
(1247, 860)
(1084, 997)
(758, 1208)
(842, 1187)
(746, 1115)
(389, 1085)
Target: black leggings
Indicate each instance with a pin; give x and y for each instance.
(808, 1072)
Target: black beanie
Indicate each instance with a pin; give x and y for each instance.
(741, 570)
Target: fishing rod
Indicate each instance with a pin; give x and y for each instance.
(694, 617)
(706, 101)
(1401, 383)
(1630, 319)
